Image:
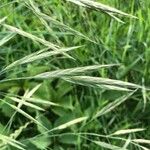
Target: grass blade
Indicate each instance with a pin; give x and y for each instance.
(25, 114)
(26, 103)
(127, 131)
(108, 146)
(8, 140)
(70, 123)
(31, 36)
(41, 101)
(142, 141)
(43, 17)
(98, 82)
(100, 6)
(7, 38)
(71, 71)
(111, 106)
(44, 53)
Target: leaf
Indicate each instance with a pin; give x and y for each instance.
(99, 6)
(6, 110)
(26, 103)
(70, 123)
(31, 36)
(69, 139)
(71, 71)
(25, 114)
(45, 121)
(7, 140)
(41, 142)
(44, 53)
(103, 83)
(113, 105)
(41, 101)
(142, 141)
(127, 131)
(44, 17)
(2, 20)
(7, 38)
(34, 38)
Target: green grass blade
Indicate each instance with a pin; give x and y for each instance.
(71, 71)
(98, 82)
(25, 114)
(100, 6)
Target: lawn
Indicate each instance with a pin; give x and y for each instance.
(74, 75)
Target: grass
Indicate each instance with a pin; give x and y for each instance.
(74, 74)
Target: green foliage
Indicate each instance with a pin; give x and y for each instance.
(74, 74)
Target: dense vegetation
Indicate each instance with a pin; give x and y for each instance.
(74, 74)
